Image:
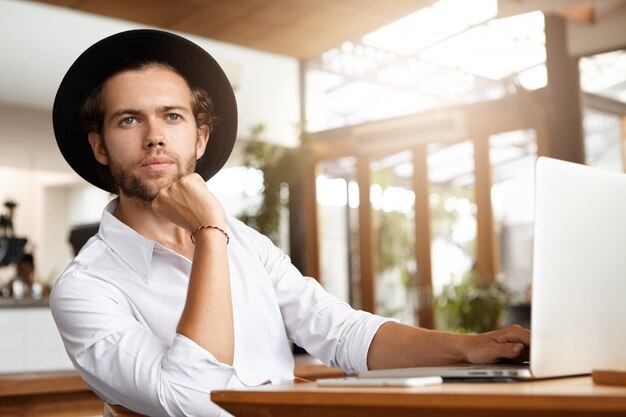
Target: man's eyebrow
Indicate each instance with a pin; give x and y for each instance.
(134, 112)
(124, 112)
(176, 107)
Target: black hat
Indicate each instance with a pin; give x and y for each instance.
(116, 52)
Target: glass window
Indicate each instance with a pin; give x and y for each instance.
(453, 212)
(512, 156)
(239, 189)
(337, 202)
(393, 202)
(603, 140)
(452, 52)
(605, 75)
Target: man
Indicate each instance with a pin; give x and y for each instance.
(173, 298)
(23, 285)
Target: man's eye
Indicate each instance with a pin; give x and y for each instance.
(128, 121)
(173, 116)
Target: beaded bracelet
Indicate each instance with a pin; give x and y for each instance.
(208, 226)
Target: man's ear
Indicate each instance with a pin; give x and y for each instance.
(95, 140)
(203, 140)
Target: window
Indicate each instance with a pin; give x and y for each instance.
(337, 202)
(453, 212)
(512, 156)
(392, 201)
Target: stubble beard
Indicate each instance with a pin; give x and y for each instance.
(146, 189)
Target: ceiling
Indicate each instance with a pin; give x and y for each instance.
(41, 40)
(300, 28)
(297, 28)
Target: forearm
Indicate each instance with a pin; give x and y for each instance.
(207, 318)
(400, 346)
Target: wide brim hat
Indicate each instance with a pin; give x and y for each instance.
(118, 51)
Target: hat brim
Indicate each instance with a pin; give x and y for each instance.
(108, 56)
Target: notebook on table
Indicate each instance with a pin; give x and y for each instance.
(578, 315)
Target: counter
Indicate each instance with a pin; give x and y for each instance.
(29, 340)
(45, 394)
(6, 302)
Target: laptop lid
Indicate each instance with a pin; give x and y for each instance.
(578, 315)
(579, 279)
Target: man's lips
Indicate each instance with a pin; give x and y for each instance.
(156, 163)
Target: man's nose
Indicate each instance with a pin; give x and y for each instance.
(154, 135)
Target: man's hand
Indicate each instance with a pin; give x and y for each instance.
(188, 203)
(508, 344)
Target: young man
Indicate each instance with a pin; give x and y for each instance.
(173, 298)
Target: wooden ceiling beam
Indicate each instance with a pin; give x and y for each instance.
(296, 28)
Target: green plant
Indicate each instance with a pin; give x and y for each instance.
(394, 233)
(472, 306)
(281, 166)
(444, 219)
(395, 247)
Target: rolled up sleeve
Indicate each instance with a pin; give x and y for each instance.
(325, 326)
(118, 356)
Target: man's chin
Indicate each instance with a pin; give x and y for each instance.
(146, 191)
(140, 197)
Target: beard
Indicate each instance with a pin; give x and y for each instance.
(146, 189)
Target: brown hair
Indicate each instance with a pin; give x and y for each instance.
(92, 108)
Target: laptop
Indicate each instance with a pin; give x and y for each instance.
(578, 316)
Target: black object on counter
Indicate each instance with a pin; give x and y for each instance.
(10, 249)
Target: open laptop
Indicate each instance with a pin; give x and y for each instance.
(578, 316)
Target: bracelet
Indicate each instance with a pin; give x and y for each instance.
(208, 226)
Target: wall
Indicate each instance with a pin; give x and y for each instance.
(39, 43)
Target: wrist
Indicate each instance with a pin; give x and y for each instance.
(465, 342)
(459, 346)
(209, 229)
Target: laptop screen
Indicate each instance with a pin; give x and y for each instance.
(579, 270)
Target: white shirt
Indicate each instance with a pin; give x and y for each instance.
(118, 303)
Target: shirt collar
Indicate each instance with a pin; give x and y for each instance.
(135, 250)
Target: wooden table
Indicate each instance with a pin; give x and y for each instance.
(47, 394)
(570, 397)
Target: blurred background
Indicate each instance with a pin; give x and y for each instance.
(387, 147)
